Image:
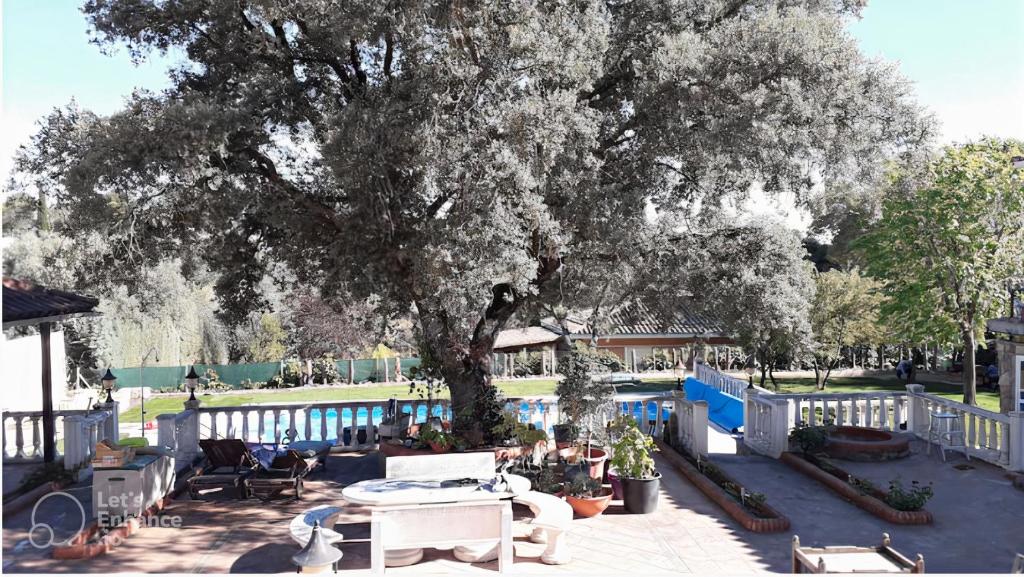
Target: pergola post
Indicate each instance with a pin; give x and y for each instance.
(49, 434)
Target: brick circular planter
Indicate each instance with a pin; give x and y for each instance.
(864, 444)
(776, 522)
(81, 545)
(872, 505)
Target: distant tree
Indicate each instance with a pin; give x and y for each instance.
(844, 313)
(755, 279)
(462, 160)
(266, 340)
(950, 237)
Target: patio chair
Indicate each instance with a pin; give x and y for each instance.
(230, 464)
(286, 472)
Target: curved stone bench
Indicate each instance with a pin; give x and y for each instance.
(301, 527)
(552, 518)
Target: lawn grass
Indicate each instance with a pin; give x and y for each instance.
(526, 388)
(173, 403)
(986, 399)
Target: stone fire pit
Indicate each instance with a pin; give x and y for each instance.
(863, 444)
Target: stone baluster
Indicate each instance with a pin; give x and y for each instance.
(354, 428)
(1014, 443)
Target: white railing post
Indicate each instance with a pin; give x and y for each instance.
(111, 428)
(677, 414)
(779, 426)
(1016, 441)
(748, 411)
(166, 432)
(917, 412)
(699, 428)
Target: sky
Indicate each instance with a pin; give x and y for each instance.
(965, 58)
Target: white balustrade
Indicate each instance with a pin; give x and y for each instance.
(875, 410)
(766, 423)
(81, 433)
(179, 433)
(731, 385)
(989, 436)
(23, 432)
(691, 425)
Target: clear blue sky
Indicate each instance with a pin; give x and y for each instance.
(966, 58)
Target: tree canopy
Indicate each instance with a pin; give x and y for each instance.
(461, 159)
(950, 239)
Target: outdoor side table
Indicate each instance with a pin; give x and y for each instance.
(946, 430)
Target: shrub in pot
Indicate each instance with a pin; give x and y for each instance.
(581, 399)
(635, 468)
(439, 441)
(587, 497)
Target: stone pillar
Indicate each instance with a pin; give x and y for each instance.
(111, 428)
(1016, 443)
(166, 432)
(917, 414)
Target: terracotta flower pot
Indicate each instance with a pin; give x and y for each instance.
(596, 460)
(437, 448)
(591, 506)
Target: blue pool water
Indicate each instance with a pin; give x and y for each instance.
(317, 416)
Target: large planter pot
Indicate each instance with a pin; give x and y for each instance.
(641, 495)
(591, 506)
(616, 484)
(595, 459)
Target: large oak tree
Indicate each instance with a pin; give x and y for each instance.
(463, 159)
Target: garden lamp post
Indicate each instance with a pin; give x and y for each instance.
(749, 369)
(318, 555)
(192, 381)
(679, 371)
(108, 382)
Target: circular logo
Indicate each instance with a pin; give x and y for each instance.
(41, 535)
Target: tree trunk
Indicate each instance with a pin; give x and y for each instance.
(819, 377)
(771, 375)
(969, 378)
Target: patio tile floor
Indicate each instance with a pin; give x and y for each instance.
(688, 534)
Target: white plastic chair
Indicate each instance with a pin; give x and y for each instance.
(946, 431)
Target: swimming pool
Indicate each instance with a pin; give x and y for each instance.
(527, 414)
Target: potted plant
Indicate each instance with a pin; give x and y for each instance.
(581, 403)
(587, 497)
(439, 441)
(635, 467)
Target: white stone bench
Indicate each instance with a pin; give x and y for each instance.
(301, 527)
(552, 519)
(445, 466)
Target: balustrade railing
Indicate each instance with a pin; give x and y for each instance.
(766, 423)
(731, 385)
(875, 410)
(993, 437)
(23, 434)
(691, 425)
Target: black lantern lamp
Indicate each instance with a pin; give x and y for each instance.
(108, 385)
(192, 381)
(679, 371)
(749, 369)
(318, 555)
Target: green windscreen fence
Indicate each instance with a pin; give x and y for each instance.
(363, 370)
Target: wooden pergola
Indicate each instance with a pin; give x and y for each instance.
(28, 304)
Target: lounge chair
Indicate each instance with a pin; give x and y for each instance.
(229, 464)
(307, 449)
(285, 472)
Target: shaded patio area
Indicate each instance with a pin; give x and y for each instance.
(977, 528)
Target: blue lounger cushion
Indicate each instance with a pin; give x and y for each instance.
(724, 410)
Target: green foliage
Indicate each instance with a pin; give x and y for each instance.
(583, 487)
(325, 370)
(949, 241)
(912, 499)
(844, 313)
(516, 433)
(581, 399)
(266, 341)
(631, 454)
(437, 437)
(292, 373)
(810, 439)
(338, 152)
